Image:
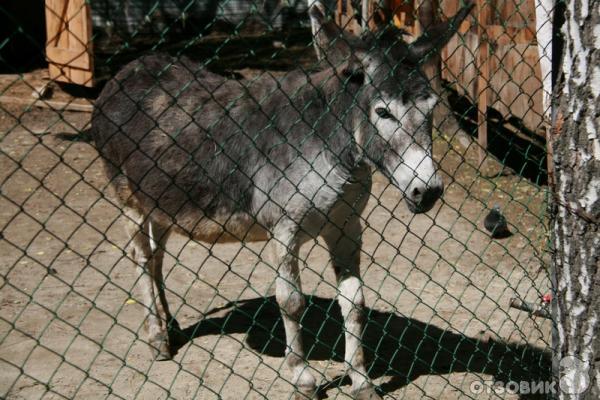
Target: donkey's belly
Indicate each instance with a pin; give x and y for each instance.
(221, 228)
(225, 225)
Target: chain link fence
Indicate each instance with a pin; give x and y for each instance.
(75, 312)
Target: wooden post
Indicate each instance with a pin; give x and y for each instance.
(69, 43)
(367, 7)
(339, 11)
(483, 78)
(544, 10)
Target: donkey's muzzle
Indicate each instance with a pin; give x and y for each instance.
(421, 200)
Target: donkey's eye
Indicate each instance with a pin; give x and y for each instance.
(384, 113)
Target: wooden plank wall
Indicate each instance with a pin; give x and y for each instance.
(514, 84)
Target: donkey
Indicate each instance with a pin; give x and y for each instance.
(284, 160)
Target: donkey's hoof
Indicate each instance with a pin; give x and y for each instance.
(306, 394)
(161, 350)
(367, 393)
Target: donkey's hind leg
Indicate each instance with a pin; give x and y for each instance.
(147, 241)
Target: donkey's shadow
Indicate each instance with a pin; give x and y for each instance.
(400, 347)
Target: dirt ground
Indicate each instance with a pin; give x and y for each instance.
(437, 286)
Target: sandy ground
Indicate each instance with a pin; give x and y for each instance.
(437, 287)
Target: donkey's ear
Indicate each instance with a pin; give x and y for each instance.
(316, 12)
(436, 37)
(330, 41)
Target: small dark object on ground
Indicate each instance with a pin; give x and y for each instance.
(495, 223)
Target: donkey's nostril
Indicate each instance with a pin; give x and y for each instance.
(416, 192)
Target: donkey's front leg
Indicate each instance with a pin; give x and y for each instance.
(344, 246)
(291, 302)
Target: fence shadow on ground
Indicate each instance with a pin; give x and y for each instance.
(399, 347)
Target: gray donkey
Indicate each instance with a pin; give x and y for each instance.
(285, 160)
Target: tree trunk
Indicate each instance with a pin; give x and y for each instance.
(576, 207)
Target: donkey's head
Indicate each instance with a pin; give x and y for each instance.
(392, 126)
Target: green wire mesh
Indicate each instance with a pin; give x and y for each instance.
(437, 286)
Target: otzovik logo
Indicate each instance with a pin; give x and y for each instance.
(574, 378)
